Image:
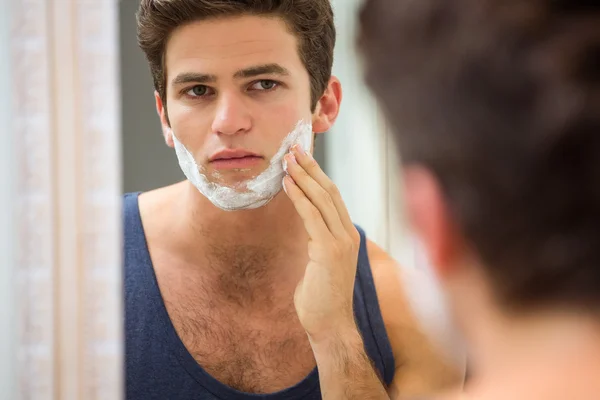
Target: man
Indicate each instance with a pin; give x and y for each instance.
(233, 288)
(495, 106)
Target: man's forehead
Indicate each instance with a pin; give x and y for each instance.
(224, 47)
(231, 39)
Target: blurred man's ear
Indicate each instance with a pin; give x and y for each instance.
(430, 217)
(166, 129)
(328, 107)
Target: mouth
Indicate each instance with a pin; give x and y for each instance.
(234, 159)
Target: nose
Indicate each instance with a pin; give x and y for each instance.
(232, 116)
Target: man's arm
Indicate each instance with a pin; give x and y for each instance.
(323, 298)
(424, 367)
(345, 370)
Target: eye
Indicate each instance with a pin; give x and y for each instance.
(198, 91)
(264, 84)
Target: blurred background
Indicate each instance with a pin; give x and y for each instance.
(81, 130)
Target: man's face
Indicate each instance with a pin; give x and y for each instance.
(235, 88)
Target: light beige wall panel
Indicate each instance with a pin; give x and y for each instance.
(67, 157)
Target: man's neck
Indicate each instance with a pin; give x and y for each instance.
(276, 224)
(248, 252)
(543, 356)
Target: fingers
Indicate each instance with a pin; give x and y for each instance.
(312, 169)
(317, 195)
(311, 216)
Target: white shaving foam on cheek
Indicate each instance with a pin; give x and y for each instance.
(259, 190)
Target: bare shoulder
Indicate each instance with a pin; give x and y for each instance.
(156, 208)
(153, 201)
(158, 197)
(388, 283)
(421, 367)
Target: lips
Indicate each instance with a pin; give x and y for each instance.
(232, 154)
(234, 159)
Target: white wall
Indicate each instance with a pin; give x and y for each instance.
(360, 156)
(7, 164)
(354, 145)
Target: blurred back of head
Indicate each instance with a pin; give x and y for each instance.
(500, 101)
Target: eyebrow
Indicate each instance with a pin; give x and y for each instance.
(266, 69)
(188, 77)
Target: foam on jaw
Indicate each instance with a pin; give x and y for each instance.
(259, 190)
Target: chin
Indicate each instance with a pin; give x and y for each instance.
(234, 177)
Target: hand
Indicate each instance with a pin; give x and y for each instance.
(323, 298)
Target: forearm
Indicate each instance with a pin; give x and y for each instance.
(345, 370)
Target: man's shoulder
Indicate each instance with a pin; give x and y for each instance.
(148, 203)
(408, 296)
(390, 289)
(144, 212)
(386, 274)
(422, 362)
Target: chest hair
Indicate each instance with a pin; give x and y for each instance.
(235, 326)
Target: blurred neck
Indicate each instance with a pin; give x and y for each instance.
(530, 355)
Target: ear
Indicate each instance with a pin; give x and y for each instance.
(429, 216)
(164, 122)
(328, 107)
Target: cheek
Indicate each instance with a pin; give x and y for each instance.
(189, 125)
(279, 129)
(277, 120)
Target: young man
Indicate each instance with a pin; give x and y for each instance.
(233, 288)
(495, 105)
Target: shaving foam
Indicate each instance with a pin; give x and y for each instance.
(252, 193)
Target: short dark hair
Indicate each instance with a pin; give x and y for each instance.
(311, 21)
(500, 100)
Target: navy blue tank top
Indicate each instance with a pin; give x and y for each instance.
(158, 365)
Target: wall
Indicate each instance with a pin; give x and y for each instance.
(64, 112)
(147, 162)
(8, 339)
(361, 156)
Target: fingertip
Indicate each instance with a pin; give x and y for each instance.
(298, 151)
(290, 158)
(288, 183)
(288, 179)
(283, 185)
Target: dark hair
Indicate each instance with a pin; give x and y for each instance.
(500, 99)
(310, 20)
